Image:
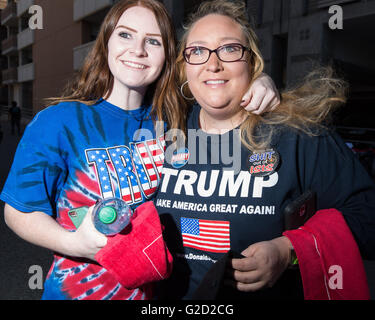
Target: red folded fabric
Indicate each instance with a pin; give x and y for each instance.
(138, 255)
(329, 260)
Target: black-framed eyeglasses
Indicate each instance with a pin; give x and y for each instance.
(230, 52)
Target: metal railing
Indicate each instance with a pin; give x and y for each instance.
(80, 53)
(23, 6)
(8, 45)
(9, 13)
(10, 75)
(314, 5)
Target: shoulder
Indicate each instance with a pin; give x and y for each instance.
(49, 123)
(325, 142)
(57, 114)
(64, 108)
(312, 134)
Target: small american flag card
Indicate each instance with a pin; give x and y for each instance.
(206, 235)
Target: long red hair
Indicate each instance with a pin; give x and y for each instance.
(95, 80)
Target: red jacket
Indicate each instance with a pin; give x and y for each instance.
(329, 260)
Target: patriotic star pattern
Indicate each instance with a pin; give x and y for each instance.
(129, 172)
(132, 173)
(206, 235)
(88, 152)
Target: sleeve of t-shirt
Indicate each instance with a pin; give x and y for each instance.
(330, 168)
(38, 168)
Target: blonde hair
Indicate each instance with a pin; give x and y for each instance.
(235, 11)
(304, 107)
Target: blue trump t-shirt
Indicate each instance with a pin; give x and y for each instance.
(71, 155)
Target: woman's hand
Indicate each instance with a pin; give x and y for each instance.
(262, 96)
(43, 230)
(263, 264)
(86, 241)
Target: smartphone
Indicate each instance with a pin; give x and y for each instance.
(77, 215)
(300, 210)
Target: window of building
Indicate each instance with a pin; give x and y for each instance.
(24, 21)
(91, 25)
(26, 55)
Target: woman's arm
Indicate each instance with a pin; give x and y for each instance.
(42, 230)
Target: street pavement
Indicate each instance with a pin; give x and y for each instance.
(17, 256)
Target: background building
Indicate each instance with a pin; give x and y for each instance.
(294, 37)
(37, 62)
(17, 48)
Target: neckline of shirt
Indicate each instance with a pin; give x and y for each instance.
(121, 113)
(215, 138)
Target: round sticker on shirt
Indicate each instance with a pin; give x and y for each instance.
(263, 163)
(180, 157)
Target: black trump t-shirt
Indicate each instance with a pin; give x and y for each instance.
(216, 195)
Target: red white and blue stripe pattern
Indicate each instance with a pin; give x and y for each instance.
(206, 235)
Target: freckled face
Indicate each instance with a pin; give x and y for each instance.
(216, 85)
(135, 49)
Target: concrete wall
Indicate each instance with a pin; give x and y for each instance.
(53, 49)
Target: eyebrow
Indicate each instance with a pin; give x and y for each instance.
(221, 40)
(133, 30)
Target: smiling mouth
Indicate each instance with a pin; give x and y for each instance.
(134, 65)
(215, 82)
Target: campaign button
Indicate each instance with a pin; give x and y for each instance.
(263, 163)
(180, 157)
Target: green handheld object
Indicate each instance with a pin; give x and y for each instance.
(107, 215)
(77, 215)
